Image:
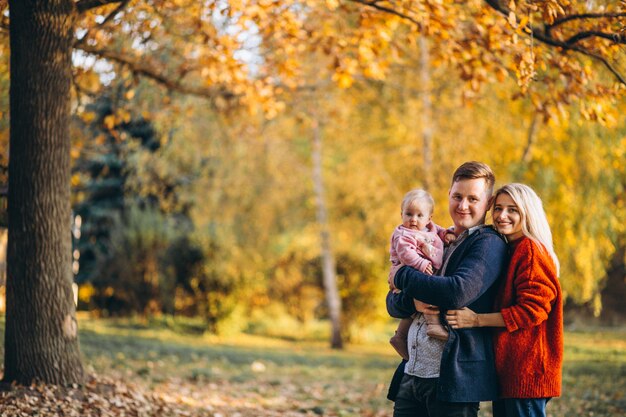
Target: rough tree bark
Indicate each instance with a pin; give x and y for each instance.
(41, 341)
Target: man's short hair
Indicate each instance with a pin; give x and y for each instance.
(472, 170)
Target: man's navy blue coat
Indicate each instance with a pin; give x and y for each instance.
(467, 372)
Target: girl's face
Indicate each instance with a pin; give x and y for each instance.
(416, 215)
(507, 217)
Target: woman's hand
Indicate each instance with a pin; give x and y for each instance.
(463, 318)
(425, 308)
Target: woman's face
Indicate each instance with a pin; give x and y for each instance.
(507, 217)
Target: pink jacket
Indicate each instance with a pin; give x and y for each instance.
(416, 248)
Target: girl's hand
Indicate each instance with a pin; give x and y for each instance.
(429, 269)
(429, 250)
(449, 238)
(462, 319)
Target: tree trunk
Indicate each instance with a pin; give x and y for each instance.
(614, 292)
(530, 140)
(41, 341)
(427, 112)
(328, 260)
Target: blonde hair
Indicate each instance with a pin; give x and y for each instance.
(534, 221)
(417, 195)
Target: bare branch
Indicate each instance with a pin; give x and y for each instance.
(373, 4)
(114, 13)
(144, 68)
(603, 60)
(571, 17)
(495, 4)
(106, 20)
(615, 37)
(84, 5)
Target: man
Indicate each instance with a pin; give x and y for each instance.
(450, 378)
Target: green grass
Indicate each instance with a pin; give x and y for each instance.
(260, 376)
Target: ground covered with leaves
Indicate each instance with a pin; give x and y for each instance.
(139, 370)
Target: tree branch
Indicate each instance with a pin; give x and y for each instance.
(570, 44)
(543, 36)
(530, 141)
(614, 37)
(144, 68)
(585, 16)
(603, 60)
(373, 4)
(106, 20)
(114, 13)
(84, 5)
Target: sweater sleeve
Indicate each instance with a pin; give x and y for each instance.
(410, 254)
(434, 252)
(536, 288)
(399, 305)
(480, 267)
(441, 232)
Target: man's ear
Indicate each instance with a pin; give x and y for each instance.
(490, 202)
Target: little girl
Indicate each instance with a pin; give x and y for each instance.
(417, 242)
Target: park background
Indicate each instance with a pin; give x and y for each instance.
(237, 169)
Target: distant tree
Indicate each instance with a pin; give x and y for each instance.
(101, 170)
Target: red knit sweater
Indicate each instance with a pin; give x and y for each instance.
(529, 351)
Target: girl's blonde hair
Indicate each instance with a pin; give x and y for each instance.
(417, 195)
(534, 221)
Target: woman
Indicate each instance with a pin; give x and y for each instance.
(528, 335)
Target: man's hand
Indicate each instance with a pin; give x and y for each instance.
(462, 319)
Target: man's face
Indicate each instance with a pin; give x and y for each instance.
(468, 203)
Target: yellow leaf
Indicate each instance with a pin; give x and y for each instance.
(101, 139)
(75, 180)
(343, 80)
(124, 115)
(88, 116)
(332, 4)
(522, 25)
(512, 19)
(109, 121)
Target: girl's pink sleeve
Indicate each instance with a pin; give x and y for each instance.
(410, 254)
(434, 253)
(441, 232)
